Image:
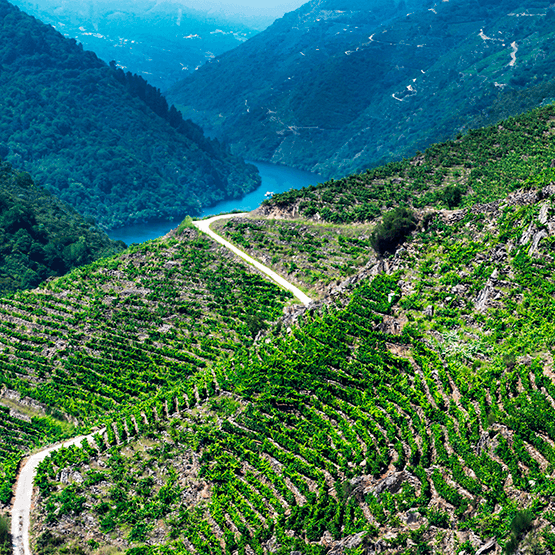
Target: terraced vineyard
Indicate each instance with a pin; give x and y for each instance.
(312, 255)
(121, 329)
(413, 415)
(482, 166)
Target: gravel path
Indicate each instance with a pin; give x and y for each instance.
(204, 225)
(21, 510)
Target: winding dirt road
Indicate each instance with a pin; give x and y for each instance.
(21, 510)
(204, 226)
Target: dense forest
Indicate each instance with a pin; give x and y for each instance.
(336, 89)
(40, 235)
(103, 141)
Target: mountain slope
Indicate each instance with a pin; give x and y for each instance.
(482, 166)
(412, 415)
(160, 41)
(116, 332)
(335, 88)
(410, 411)
(41, 236)
(104, 141)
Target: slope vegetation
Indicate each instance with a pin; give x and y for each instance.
(411, 412)
(337, 88)
(104, 141)
(41, 236)
(482, 166)
(117, 331)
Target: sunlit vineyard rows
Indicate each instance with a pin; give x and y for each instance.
(436, 439)
(121, 329)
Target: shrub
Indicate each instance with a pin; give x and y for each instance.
(393, 229)
(521, 523)
(5, 536)
(451, 196)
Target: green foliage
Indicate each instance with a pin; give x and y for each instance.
(520, 525)
(41, 236)
(393, 229)
(187, 223)
(6, 547)
(481, 166)
(193, 306)
(104, 141)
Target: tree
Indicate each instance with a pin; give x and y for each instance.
(393, 229)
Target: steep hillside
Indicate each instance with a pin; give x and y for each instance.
(482, 166)
(115, 332)
(336, 88)
(409, 411)
(104, 141)
(161, 41)
(414, 416)
(41, 236)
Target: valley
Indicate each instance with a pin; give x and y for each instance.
(351, 365)
(395, 414)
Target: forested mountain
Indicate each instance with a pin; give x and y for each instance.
(409, 411)
(161, 41)
(40, 235)
(336, 87)
(102, 140)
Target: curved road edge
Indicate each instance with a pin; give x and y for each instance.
(204, 226)
(21, 509)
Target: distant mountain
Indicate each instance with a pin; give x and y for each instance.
(103, 140)
(41, 236)
(337, 86)
(161, 41)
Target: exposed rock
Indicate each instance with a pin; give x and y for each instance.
(488, 546)
(483, 444)
(350, 542)
(544, 214)
(392, 483)
(542, 234)
(412, 517)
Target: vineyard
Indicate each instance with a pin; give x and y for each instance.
(414, 414)
(482, 166)
(312, 255)
(119, 330)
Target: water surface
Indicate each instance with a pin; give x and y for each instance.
(275, 179)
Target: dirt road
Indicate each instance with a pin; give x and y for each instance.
(204, 225)
(21, 510)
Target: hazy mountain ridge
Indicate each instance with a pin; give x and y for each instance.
(338, 89)
(107, 145)
(162, 41)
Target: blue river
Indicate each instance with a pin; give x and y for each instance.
(275, 179)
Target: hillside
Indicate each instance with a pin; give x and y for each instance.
(405, 419)
(410, 410)
(336, 88)
(41, 236)
(481, 166)
(107, 335)
(103, 140)
(161, 41)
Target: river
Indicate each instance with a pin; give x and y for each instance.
(275, 179)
